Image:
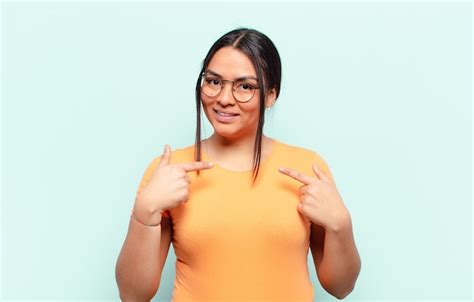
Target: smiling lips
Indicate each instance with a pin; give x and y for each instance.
(225, 118)
(223, 113)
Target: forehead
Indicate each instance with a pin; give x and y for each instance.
(231, 63)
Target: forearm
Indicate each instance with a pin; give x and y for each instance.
(341, 262)
(137, 268)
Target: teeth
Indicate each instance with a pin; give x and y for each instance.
(225, 114)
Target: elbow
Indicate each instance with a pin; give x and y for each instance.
(342, 295)
(131, 292)
(339, 293)
(133, 299)
(343, 291)
(130, 295)
(339, 290)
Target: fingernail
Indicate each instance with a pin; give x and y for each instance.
(210, 164)
(281, 169)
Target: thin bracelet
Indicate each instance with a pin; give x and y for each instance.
(150, 225)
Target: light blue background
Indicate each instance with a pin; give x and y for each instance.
(92, 91)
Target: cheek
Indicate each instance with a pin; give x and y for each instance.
(249, 110)
(205, 100)
(206, 105)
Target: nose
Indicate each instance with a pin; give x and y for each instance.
(226, 96)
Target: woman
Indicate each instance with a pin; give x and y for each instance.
(241, 225)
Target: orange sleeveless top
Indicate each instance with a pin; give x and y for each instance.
(234, 242)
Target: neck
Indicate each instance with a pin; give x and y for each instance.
(224, 147)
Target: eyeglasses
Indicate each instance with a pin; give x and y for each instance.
(242, 90)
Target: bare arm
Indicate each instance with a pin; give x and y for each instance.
(141, 260)
(138, 271)
(336, 258)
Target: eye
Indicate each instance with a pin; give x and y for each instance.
(245, 86)
(213, 81)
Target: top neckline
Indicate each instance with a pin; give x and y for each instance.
(263, 162)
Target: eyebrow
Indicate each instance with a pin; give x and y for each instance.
(237, 79)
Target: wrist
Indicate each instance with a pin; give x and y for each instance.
(144, 205)
(152, 222)
(146, 215)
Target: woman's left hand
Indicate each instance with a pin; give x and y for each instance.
(320, 199)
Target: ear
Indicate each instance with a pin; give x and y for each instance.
(271, 98)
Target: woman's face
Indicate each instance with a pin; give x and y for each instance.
(230, 64)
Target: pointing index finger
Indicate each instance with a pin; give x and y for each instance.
(196, 165)
(296, 175)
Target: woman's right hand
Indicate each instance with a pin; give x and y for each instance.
(169, 185)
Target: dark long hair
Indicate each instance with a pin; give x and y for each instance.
(266, 61)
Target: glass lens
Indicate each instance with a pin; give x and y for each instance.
(243, 90)
(211, 86)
